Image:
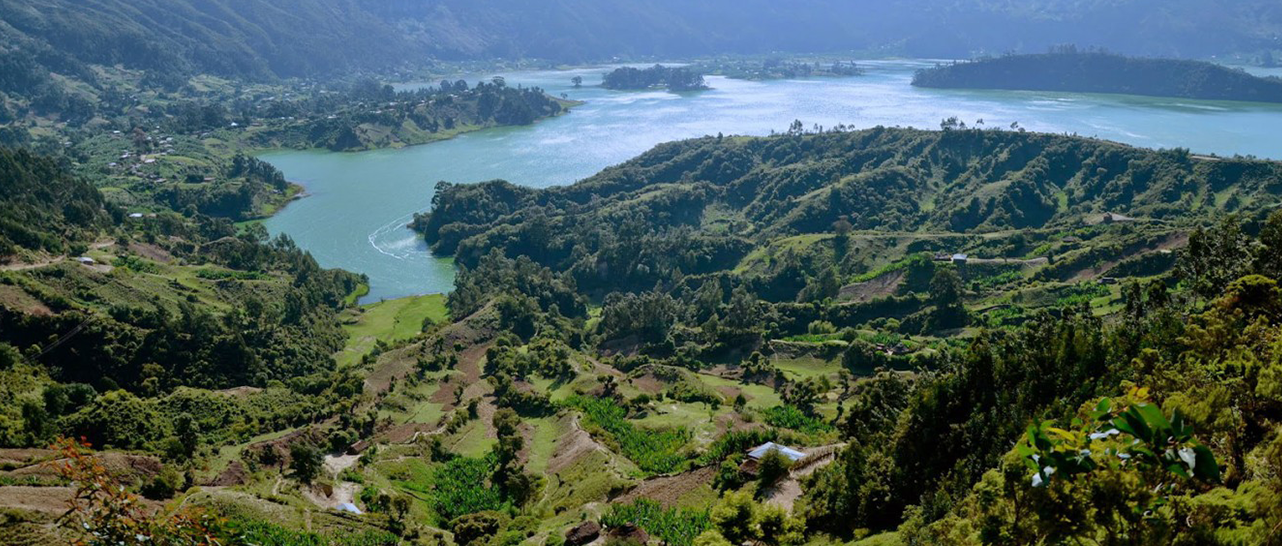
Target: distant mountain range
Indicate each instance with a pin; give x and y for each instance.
(263, 39)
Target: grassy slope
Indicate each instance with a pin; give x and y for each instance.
(389, 321)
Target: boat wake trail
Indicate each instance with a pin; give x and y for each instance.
(396, 240)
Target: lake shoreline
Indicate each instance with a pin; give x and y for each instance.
(302, 190)
(360, 202)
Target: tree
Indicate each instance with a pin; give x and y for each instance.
(824, 286)
(119, 419)
(609, 386)
(1268, 258)
(772, 468)
(734, 517)
(474, 527)
(306, 461)
(141, 142)
(507, 426)
(649, 316)
(1218, 256)
(164, 485)
(577, 81)
(508, 475)
(711, 538)
(842, 228)
(777, 528)
(188, 435)
(398, 509)
(946, 294)
(804, 395)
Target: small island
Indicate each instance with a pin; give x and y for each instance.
(780, 69)
(1095, 72)
(655, 77)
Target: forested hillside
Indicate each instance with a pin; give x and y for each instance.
(699, 206)
(149, 305)
(260, 39)
(43, 208)
(1090, 331)
(1104, 73)
(1055, 360)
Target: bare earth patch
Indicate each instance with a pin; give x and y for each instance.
(880, 287)
(151, 252)
(234, 474)
(668, 490)
(786, 492)
(12, 297)
(48, 500)
(571, 447)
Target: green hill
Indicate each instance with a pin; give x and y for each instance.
(1082, 357)
(614, 348)
(42, 208)
(1104, 73)
(152, 304)
(700, 206)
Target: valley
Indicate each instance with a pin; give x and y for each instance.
(452, 274)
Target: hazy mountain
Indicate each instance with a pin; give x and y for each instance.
(261, 38)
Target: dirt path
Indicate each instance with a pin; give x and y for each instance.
(34, 265)
(51, 260)
(1031, 262)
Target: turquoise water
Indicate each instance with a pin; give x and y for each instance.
(358, 203)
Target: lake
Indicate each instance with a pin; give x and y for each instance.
(358, 204)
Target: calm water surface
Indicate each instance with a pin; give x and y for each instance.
(359, 203)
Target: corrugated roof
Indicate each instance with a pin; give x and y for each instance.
(761, 450)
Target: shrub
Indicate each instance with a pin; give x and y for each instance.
(164, 485)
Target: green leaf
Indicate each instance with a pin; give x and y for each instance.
(1153, 416)
(1123, 424)
(1178, 469)
(1102, 409)
(1206, 469)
